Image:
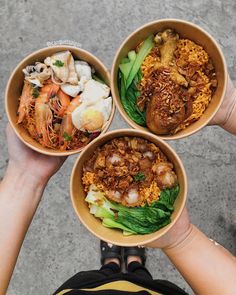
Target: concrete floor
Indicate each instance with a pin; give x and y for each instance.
(57, 245)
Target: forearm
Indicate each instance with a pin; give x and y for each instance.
(230, 123)
(207, 267)
(19, 197)
(226, 116)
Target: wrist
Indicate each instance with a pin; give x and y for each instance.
(20, 178)
(223, 116)
(192, 236)
(230, 124)
(182, 238)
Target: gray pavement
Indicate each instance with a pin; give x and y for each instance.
(57, 245)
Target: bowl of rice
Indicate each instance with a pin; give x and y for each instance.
(169, 77)
(128, 187)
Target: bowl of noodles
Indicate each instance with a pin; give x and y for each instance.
(58, 100)
(128, 187)
(169, 78)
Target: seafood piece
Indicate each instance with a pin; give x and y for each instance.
(37, 74)
(58, 100)
(83, 69)
(50, 89)
(115, 194)
(26, 101)
(166, 177)
(132, 196)
(43, 120)
(67, 128)
(113, 159)
(92, 118)
(62, 64)
(71, 90)
(60, 103)
(94, 91)
(83, 80)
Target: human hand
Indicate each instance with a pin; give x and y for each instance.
(23, 160)
(176, 234)
(225, 109)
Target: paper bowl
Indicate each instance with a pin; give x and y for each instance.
(15, 85)
(93, 224)
(185, 30)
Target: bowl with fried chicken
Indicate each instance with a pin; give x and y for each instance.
(169, 78)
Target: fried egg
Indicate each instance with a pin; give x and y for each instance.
(92, 117)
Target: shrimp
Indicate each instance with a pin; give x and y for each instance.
(26, 101)
(43, 120)
(67, 126)
(50, 89)
(166, 177)
(60, 103)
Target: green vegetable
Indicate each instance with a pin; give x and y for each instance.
(129, 99)
(35, 93)
(167, 199)
(66, 136)
(58, 63)
(125, 60)
(138, 177)
(126, 67)
(143, 52)
(134, 220)
(129, 76)
(111, 223)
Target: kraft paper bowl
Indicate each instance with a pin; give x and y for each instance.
(185, 30)
(93, 224)
(15, 85)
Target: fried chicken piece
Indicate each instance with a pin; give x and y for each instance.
(168, 40)
(161, 122)
(169, 103)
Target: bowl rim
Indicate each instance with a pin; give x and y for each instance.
(121, 133)
(114, 79)
(34, 54)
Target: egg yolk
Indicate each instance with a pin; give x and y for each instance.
(92, 120)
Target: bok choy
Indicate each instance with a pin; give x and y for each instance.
(129, 76)
(133, 220)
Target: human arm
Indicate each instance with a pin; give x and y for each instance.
(20, 193)
(205, 265)
(226, 115)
